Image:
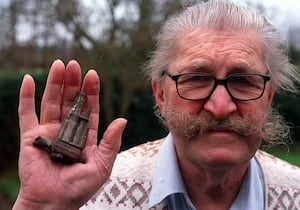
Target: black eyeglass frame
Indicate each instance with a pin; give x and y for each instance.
(217, 81)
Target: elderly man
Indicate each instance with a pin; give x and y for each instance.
(214, 73)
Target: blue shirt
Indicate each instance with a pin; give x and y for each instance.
(168, 184)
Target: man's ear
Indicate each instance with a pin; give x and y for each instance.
(271, 93)
(158, 93)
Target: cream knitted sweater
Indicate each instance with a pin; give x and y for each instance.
(129, 186)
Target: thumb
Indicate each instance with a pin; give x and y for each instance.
(111, 142)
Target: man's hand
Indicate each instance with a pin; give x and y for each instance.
(44, 183)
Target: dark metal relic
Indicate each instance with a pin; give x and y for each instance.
(72, 135)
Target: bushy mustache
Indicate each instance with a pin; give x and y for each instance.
(242, 126)
(271, 127)
(194, 125)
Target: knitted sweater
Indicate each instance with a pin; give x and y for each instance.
(130, 182)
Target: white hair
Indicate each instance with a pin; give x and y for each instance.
(224, 15)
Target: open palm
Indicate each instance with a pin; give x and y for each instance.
(49, 185)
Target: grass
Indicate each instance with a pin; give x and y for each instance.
(293, 158)
(291, 154)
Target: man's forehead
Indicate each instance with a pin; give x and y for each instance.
(219, 41)
(207, 35)
(204, 48)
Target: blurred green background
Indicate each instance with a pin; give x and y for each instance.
(114, 37)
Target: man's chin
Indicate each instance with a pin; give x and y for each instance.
(224, 159)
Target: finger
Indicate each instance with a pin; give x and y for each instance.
(51, 101)
(71, 86)
(27, 115)
(91, 86)
(110, 144)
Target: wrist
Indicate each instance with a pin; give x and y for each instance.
(23, 204)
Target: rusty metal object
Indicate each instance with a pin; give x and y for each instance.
(72, 135)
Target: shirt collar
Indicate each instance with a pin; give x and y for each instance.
(167, 179)
(251, 195)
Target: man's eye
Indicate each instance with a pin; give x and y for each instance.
(201, 78)
(240, 80)
(247, 80)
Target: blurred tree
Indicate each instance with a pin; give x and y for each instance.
(120, 48)
(10, 32)
(112, 36)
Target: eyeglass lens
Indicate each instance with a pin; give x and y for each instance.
(242, 87)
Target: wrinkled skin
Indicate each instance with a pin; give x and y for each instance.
(49, 185)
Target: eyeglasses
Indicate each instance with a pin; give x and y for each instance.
(200, 85)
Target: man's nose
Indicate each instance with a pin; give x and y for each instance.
(220, 103)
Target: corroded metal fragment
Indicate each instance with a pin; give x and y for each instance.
(72, 135)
